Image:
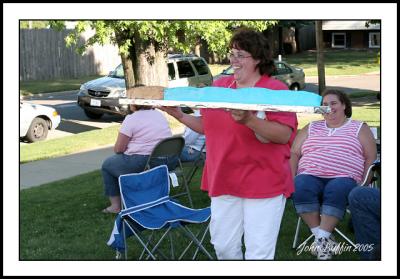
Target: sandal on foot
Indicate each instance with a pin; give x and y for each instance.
(107, 210)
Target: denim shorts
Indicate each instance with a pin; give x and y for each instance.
(328, 196)
(189, 154)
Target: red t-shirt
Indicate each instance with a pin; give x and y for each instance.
(237, 163)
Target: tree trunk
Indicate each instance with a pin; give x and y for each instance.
(126, 60)
(294, 46)
(280, 40)
(215, 58)
(197, 47)
(296, 39)
(320, 56)
(150, 64)
(128, 71)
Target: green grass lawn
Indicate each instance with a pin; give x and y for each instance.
(67, 145)
(28, 88)
(63, 221)
(337, 62)
(76, 143)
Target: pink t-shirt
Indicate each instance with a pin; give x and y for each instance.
(237, 162)
(145, 129)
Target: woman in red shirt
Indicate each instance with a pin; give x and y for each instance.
(247, 172)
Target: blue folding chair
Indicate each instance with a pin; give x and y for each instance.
(147, 207)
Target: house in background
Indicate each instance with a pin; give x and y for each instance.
(351, 34)
(288, 38)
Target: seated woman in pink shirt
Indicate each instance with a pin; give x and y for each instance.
(139, 133)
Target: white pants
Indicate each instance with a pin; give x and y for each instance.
(258, 219)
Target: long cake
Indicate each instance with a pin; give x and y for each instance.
(253, 98)
(253, 95)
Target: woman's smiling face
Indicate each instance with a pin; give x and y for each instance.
(243, 64)
(337, 108)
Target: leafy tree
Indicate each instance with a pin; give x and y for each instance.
(33, 24)
(143, 45)
(372, 21)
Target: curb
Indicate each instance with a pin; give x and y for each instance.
(338, 76)
(372, 73)
(49, 94)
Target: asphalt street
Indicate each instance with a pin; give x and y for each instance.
(348, 84)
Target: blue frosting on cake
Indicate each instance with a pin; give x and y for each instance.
(252, 95)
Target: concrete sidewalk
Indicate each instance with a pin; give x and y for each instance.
(45, 171)
(50, 170)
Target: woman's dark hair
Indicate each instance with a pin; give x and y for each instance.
(343, 98)
(257, 45)
(137, 107)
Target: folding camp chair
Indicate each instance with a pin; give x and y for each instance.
(171, 148)
(296, 236)
(148, 208)
(196, 164)
(371, 180)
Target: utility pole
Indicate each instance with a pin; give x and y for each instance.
(320, 56)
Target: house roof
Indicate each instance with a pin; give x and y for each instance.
(348, 25)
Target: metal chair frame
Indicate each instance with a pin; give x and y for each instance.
(372, 175)
(172, 147)
(150, 247)
(196, 164)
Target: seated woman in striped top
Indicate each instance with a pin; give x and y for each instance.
(328, 159)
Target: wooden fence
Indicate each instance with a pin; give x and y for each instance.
(43, 55)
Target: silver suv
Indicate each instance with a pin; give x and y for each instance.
(102, 95)
(293, 77)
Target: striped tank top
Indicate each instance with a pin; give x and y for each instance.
(333, 152)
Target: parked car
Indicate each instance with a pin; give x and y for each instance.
(102, 95)
(36, 120)
(293, 76)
